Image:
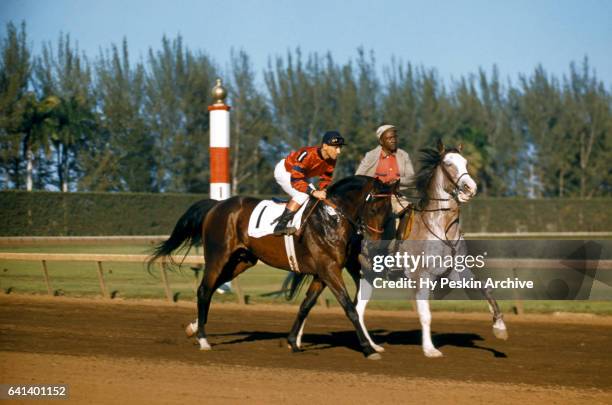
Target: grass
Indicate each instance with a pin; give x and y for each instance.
(131, 280)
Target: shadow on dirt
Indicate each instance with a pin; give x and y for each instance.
(348, 339)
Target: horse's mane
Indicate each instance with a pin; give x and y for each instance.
(348, 184)
(429, 160)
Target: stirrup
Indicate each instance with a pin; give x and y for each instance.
(286, 230)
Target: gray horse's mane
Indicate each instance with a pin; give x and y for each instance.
(429, 159)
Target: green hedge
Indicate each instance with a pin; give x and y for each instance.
(96, 214)
(92, 214)
(537, 215)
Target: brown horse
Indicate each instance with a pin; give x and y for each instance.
(361, 206)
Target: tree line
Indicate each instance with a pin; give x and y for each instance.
(72, 123)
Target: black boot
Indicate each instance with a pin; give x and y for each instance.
(281, 227)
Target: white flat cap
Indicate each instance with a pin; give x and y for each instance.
(381, 130)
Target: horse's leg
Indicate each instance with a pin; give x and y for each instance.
(230, 271)
(499, 327)
(334, 281)
(422, 300)
(224, 268)
(364, 293)
(208, 286)
(295, 335)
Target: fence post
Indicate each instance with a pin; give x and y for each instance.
(236, 285)
(518, 302)
(101, 280)
(46, 276)
(164, 276)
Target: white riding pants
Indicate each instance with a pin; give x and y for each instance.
(283, 178)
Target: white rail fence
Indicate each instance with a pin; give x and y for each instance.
(154, 239)
(100, 259)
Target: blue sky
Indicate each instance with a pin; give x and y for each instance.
(455, 37)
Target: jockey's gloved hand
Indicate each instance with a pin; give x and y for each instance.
(319, 194)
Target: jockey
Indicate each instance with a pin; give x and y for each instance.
(293, 172)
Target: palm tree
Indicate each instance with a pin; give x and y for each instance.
(36, 122)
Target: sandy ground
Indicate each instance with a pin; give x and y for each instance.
(136, 352)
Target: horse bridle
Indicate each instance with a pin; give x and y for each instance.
(455, 195)
(368, 227)
(455, 192)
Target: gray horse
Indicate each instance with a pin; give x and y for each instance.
(444, 184)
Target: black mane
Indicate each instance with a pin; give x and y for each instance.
(429, 160)
(347, 185)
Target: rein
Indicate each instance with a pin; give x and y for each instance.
(299, 232)
(454, 194)
(359, 225)
(384, 195)
(451, 244)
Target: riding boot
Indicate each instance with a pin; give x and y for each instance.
(282, 222)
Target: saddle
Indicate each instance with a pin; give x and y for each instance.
(280, 200)
(405, 225)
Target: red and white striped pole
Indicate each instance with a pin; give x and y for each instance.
(219, 144)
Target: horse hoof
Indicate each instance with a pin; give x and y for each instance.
(189, 331)
(432, 353)
(379, 349)
(501, 333)
(204, 344)
(293, 346)
(374, 356)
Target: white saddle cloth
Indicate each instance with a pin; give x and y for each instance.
(263, 221)
(263, 218)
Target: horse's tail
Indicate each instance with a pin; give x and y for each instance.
(186, 233)
(297, 282)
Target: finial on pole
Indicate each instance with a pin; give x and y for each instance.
(219, 93)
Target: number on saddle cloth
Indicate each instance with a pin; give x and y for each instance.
(263, 218)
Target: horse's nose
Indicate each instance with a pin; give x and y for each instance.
(469, 187)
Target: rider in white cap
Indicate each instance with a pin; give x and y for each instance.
(388, 163)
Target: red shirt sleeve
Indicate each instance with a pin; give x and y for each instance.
(297, 169)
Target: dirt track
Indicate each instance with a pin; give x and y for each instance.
(139, 352)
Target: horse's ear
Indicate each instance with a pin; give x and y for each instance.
(440, 146)
(460, 147)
